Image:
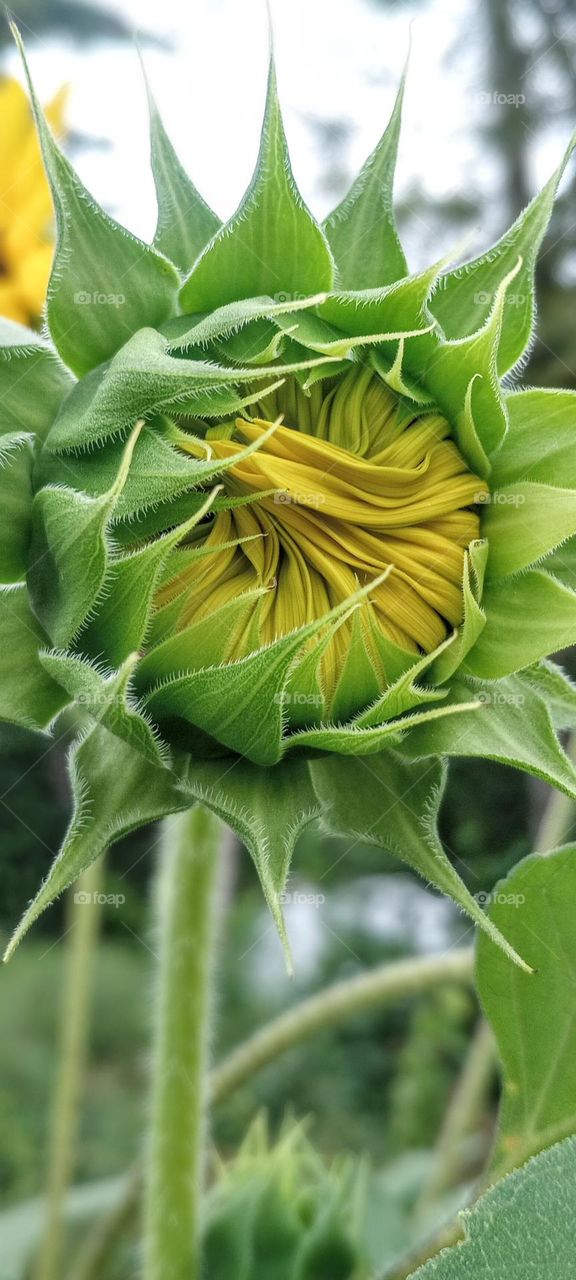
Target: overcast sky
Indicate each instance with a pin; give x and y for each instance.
(336, 59)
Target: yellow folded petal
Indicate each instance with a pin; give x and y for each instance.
(26, 214)
(362, 485)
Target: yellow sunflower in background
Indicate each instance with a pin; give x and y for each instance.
(26, 219)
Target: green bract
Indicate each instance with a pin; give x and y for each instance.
(117, 431)
(277, 1210)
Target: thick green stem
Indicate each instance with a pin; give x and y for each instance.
(186, 892)
(83, 930)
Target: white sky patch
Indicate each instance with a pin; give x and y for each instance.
(337, 59)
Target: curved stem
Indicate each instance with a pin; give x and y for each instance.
(380, 986)
(82, 931)
(342, 1000)
(186, 884)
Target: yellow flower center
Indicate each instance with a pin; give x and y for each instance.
(360, 483)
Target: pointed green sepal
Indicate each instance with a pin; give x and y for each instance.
(105, 283)
(361, 230)
(16, 461)
(231, 319)
(468, 292)
(262, 250)
(143, 380)
(527, 618)
(33, 382)
(452, 657)
(462, 376)
(116, 790)
(69, 552)
(185, 222)
(512, 725)
(108, 699)
(123, 613)
(393, 803)
(267, 808)
(28, 695)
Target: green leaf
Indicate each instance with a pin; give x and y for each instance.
(231, 318)
(115, 790)
(185, 222)
(143, 380)
(533, 1016)
(267, 808)
(393, 803)
(16, 458)
(314, 332)
(524, 1226)
(28, 695)
(122, 615)
(361, 230)
(69, 553)
(358, 740)
(512, 726)
(399, 308)
(540, 440)
(240, 703)
(523, 522)
(105, 283)
(558, 691)
(452, 657)
(202, 644)
(107, 699)
(467, 293)
(462, 376)
(272, 245)
(547, 610)
(33, 383)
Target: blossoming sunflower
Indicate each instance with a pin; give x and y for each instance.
(26, 240)
(276, 525)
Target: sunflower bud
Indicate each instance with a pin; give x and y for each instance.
(279, 1208)
(274, 523)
